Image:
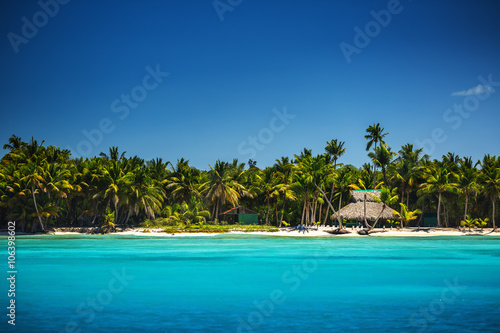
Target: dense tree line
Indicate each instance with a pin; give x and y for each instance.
(42, 186)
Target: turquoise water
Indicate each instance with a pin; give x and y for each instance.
(240, 283)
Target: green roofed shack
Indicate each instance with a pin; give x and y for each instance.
(240, 215)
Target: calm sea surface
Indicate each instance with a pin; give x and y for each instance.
(240, 283)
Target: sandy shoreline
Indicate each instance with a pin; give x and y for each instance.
(291, 232)
(322, 232)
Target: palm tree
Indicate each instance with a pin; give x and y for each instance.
(15, 143)
(374, 136)
(34, 180)
(114, 154)
(405, 171)
(382, 157)
(467, 181)
(184, 182)
(468, 222)
(438, 180)
(489, 179)
(334, 149)
(115, 185)
(388, 198)
(221, 187)
(268, 187)
(284, 176)
(406, 216)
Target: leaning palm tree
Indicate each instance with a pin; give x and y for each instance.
(374, 136)
(34, 181)
(387, 198)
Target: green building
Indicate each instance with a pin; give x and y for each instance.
(240, 215)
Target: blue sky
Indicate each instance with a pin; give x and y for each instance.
(100, 67)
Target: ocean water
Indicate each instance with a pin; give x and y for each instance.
(246, 283)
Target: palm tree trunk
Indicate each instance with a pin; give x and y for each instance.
(378, 217)
(374, 167)
(330, 204)
(493, 214)
(421, 215)
(217, 209)
(314, 211)
(267, 214)
(445, 213)
(213, 211)
(402, 198)
(303, 213)
(117, 211)
(340, 200)
(276, 210)
(282, 209)
(364, 213)
(36, 207)
(466, 203)
(439, 210)
(328, 207)
(128, 216)
(320, 211)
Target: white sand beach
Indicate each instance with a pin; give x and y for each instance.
(313, 232)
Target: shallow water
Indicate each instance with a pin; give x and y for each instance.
(246, 283)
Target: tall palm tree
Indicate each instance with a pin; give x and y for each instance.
(405, 172)
(221, 187)
(438, 179)
(375, 136)
(467, 181)
(183, 182)
(489, 179)
(114, 154)
(116, 184)
(284, 176)
(334, 149)
(34, 180)
(382, 157)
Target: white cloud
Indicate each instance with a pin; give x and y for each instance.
(477, 90)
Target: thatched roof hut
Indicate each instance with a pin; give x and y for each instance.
(356, 209)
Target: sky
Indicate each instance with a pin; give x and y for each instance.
(206, 80)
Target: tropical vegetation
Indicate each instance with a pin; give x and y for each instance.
(42, 187)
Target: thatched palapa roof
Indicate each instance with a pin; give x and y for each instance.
(355, 210)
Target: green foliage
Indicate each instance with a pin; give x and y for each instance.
(406, 216)
(42, 186)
